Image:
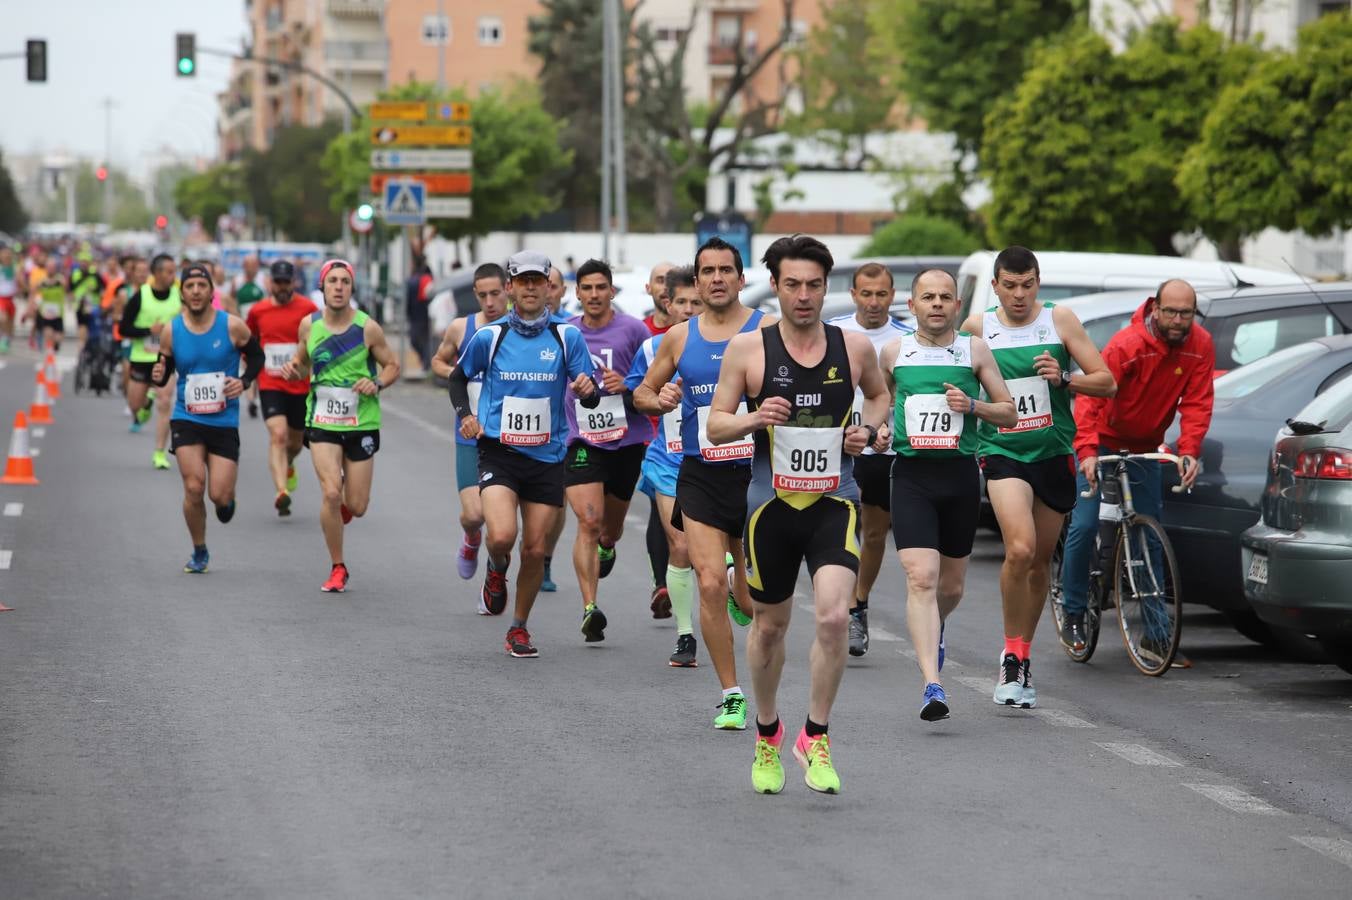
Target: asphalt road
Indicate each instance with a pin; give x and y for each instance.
(243, 735)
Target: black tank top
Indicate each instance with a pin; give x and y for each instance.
(820, 396)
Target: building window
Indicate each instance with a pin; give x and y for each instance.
(490, 31)
(797, 33)
(436, 30)
(668, 35)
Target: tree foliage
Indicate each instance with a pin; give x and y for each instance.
(127, 210)
(1276, 149)
(208, 195)
(287, 189)
(955, 58)
(517, 155)
(1083, 154)
(13, 217)
(919, 235)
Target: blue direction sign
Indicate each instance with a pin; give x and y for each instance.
(405, 202)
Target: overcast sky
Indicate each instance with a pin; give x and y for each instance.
(123, 49)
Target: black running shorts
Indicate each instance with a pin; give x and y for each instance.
(222, 442)
(280, 403)
(713, 495)
(532, 480)
(873, 474)
(358, 446)
(1052, 479)
(617, 469)
(780, 537)
(935, 504)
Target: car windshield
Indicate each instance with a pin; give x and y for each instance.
(1101, 330)
(1247, 379)
(1333, 407)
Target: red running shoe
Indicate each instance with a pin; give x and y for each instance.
(519, 645)
(337, 582)
(495, 590)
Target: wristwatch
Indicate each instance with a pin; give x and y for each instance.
(872, 434)
(1065, 378)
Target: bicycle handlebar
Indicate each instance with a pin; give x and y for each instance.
(1159, 457)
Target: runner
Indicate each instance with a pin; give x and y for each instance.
(659, 321)
(349, 363)
(711, 487)
(275, 321)
(47, 308)
(554, 300)
(527, 362)
(1030, 468)
(86, 287)
(138, 273)
(204, 346)
(9, 289)
(606, 441)
(490, 289)
(936, 374)
(799, 379)
(143, 320)
(661, 465)
(872, 290)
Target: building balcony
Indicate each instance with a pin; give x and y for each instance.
(356, 56)
(355, 9)
(748, 6)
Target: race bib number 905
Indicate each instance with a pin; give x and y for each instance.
(806, 460)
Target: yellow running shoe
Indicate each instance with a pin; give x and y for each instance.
(292, 482)
(814, 755)
(159, 459)
(767, 773)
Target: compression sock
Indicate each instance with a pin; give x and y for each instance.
(1013, 645)
(1025, 647)
(681, 587)
(812, 728)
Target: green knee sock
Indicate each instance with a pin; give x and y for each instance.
(681, 587)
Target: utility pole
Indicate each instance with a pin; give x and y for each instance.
(607, 128)
(616, 76)
(444, 26)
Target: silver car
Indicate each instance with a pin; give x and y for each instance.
(1297, 561)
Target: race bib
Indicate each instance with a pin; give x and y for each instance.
(930, 424)
(743, 449)
(476, 389)
(806, 460)
(525, 421)
(151, 344)
(857, 411)
(204, 393)
(1033, 401)
(276, 356)
(53, 311)
(671, 430)
(335, 406)
(607, 422)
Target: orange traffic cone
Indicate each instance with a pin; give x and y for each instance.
(19, 468)
(51, 377)
(41, 410)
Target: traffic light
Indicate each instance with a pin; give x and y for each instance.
(187, 54)
(366, 212)
(161, 221)
(37, 60)
(101, 173)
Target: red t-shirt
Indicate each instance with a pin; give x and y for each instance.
(652, 326)
(276, 326)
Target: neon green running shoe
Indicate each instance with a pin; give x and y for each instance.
(767, 773)
(606, 557)
(143, 414)
(814, 755)
(159, 459)
(733, 713)
(734, 610)
(292, 481)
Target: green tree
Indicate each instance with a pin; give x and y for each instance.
(13, 217)
(209, 195)
(955, 58)
(517, 153)
(286, 187)
(128, 203)
(1276, 149)
(1083, 154)
(917, 235)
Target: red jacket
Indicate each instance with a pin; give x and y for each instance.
(1153, 380)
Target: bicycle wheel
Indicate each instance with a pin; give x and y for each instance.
(1146, 584)
(1092, 615)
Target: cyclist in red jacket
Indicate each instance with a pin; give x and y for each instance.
(1163, 363)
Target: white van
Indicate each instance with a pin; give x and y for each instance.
(1073, 274)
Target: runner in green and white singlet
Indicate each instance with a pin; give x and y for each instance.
(935, 376)
(1030, 468)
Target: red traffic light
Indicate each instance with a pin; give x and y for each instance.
(101, 173)
(161, 221)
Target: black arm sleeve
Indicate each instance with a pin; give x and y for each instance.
(253, 360)
(595, 399)
(459, 391)
(130, 311)
(168, 370)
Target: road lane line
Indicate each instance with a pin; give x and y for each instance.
(6, 557)
(980, 685)
(1334, 848)
(1061, 719)
(34, 452)
(39, 433)
(443, 433)
(1138, 754)
(1235, 800)
(13, 509)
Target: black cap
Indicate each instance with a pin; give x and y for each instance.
(196, 271)
(283, 269)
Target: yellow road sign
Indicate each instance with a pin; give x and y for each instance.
(411, 111)
(421, 135)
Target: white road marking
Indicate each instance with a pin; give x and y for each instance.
(1138, 754)
(34, 452)
(1334, 848)
(878, 633)
(1234, 799)
(435, 430)
(6, 557)
(982, 685)
(1061, 719)
(13, 509)
(39, 433)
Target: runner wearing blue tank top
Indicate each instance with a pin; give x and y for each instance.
(204, 346)
(711, 487)
(528, 363)
(490, 289)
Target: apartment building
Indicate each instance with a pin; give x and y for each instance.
(1276, 21)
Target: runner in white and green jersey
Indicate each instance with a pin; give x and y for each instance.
(1030, 468)
(935, 376)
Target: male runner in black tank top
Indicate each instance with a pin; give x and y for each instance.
(800, 376)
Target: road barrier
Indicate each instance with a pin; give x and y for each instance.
(19, 466)
(41, 410)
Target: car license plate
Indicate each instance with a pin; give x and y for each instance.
(1258, 568)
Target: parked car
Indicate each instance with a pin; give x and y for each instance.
(1205, 526)
(1246, 324)
(1297, 561)
(1075, 274)
(841, 279)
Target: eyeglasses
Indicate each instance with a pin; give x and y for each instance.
(1183, 314)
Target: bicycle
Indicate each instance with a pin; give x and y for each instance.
(1136, 573)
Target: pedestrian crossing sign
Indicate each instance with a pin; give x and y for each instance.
(404, 202)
